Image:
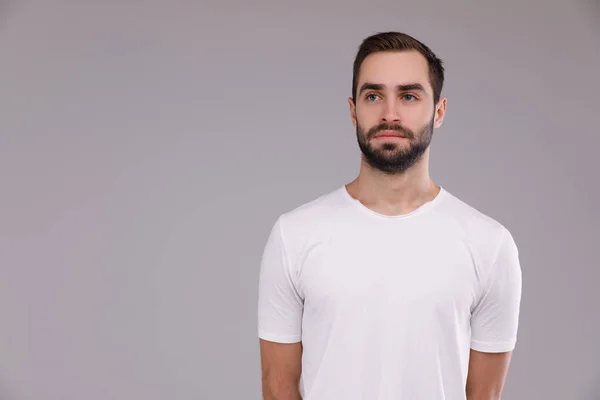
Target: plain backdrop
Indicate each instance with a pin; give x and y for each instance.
(147, 147)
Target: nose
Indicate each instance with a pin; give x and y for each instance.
(391, 112)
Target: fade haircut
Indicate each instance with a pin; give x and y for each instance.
(398, 41)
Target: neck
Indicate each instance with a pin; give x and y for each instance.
(394, 194)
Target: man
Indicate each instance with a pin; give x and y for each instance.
(389, 287)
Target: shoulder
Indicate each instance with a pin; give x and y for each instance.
(485, 236)
(309, 225)
(313, 216)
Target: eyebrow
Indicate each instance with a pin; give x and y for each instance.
(401, 88)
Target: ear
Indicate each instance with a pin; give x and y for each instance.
(440, 112)
(352, 111)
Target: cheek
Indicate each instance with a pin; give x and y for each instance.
(367, 117)
(417, 119)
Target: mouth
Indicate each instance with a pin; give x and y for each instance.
(389, 134)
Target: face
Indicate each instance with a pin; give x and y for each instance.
(394, 113)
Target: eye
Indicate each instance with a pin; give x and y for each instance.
(371, 97)
(409, 97)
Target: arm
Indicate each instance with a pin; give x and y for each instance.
(494, 324)
(281, 367)
(487, 374)
(280, 310)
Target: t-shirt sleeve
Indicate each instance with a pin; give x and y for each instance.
(495, 320)
(280, 306)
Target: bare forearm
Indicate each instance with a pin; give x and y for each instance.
(483, 395)
(281, 386)
(281, 392)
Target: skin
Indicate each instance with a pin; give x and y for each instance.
(281, 366)
(487, 374)
(394, 90)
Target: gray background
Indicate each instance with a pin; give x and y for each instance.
(147, 147)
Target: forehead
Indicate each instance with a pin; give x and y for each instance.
(395, 68)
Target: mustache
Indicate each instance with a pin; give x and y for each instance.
(390, 127)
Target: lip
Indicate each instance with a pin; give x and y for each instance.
(390, 134)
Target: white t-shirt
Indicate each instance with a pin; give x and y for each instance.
(388, 307)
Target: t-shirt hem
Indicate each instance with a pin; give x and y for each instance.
(279, 338)
(493, 347)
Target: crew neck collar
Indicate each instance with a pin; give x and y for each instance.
(418, 211)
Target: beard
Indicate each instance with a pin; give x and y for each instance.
(391, 157)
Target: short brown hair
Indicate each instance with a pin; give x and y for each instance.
(397, 41)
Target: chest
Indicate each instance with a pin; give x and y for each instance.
(426, 273)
